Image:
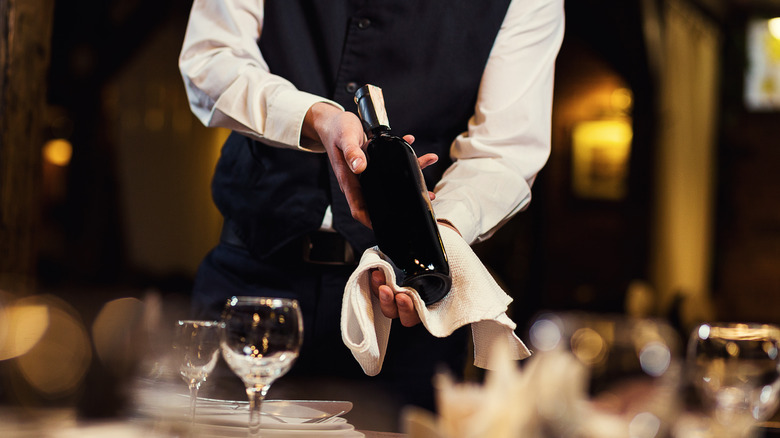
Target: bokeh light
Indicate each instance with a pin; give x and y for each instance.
(655, 358)
(21, 327)
(58, 152)
(589, 346)
(58, 362)
(115, 330)
(622, 100)
(545, 335)
(774, 27)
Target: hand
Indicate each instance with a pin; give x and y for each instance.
(393, 305)
(341, 134)
(398, 305)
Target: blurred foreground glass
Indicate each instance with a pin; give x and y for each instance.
(607, 375)
(260, 342)
(196, 350)
(734, 367)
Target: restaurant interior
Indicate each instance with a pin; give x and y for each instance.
(659, 199)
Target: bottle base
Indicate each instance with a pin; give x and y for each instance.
(431, 287)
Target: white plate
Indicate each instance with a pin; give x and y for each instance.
(292, 410)
(285, 418)
(277, 414)
(168, 405)
(216, 431)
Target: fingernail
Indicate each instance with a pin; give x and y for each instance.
(355, 163)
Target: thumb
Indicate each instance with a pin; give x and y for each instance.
(354, 156)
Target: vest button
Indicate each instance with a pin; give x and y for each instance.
(351, 87)
(363, 23)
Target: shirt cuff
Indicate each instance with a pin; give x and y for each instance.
(286, 111)
(458, 216)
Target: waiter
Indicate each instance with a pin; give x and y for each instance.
(471, 80)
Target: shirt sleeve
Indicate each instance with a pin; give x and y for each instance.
(508, 138)
(228, 82)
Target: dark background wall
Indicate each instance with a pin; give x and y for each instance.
(133, 209)
(131, 212)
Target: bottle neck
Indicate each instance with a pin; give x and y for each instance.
(371, 110)
(377, 131)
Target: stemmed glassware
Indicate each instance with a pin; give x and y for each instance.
(196, 349)
(735, 368)
(260, 342)
(606, 375)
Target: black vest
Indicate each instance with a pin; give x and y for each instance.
(427, 56)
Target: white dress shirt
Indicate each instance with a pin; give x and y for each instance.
(495, 161)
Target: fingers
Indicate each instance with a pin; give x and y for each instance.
(387, 302)
(393, 305)
(350, 185)
(406, 312)
(346, 136)
(343, 141)
(341, 134)
(427, 159)
(385, 294)
(354, 156)
(377, 279)
(397, 306)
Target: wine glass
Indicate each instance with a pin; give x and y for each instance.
(260, 342)
(735, 369)
(602, 375)
(196, 348)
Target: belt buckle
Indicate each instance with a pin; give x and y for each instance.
(327, 248)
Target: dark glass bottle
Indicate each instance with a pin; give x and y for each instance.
(398, 203)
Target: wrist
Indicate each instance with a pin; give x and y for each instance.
(316, 117)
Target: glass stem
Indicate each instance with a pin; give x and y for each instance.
(194, 387)
(256, 396)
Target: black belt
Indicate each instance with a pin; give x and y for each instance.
(319, 247)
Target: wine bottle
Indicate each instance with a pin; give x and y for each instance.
(398, 204)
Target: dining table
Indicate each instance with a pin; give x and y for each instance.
(64, 422)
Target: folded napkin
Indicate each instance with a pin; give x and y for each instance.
(475, 298)
(546, 398)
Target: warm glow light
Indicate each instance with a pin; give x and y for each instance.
(114, 330)
(4, 325)
(588, 345)
(58, 151)
(57, 363)
(24, 327)
(622, 99)
(774, 27)
(732, 349)
(745, 332)
(601, 149)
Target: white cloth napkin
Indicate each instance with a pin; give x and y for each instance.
(475, 298)
(546, 398)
